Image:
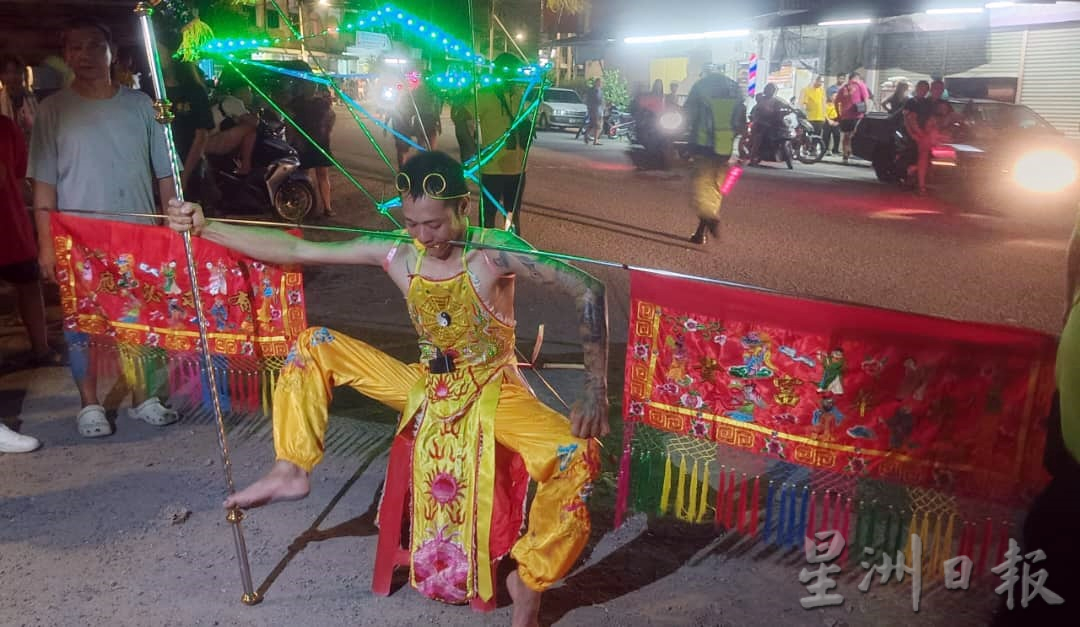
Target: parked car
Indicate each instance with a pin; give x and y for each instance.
(561, 109)
(998, 152)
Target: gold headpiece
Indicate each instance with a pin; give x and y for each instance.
(434, 185)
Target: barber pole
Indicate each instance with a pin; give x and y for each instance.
(751, 76)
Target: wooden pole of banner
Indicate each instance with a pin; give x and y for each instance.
(144, 11)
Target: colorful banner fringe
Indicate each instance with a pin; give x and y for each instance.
(862, 392)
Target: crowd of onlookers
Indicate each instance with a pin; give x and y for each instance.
(84, 145)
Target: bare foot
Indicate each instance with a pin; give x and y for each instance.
(285, 482)
(526, 602)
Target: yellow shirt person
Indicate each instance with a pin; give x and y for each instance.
(813, 101)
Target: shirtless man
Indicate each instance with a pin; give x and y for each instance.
(461, 301)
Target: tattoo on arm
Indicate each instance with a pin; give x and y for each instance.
(502, 260)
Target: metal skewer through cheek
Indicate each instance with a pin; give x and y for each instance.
(164, 116)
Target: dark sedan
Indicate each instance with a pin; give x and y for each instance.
(997, 152)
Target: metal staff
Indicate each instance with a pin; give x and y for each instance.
(164, 116)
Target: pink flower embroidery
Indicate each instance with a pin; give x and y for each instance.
(774, 446)
(691, 325)
(441, 569)
(441, 390)
(856, 465)
(641, 351)
(637, 408)
(691, 400)
(152, 339)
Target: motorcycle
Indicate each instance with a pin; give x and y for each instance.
(777, 145)
(275, 181)
(663, 138)
(808, 145)
(618, 124)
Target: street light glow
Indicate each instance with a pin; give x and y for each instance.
(716, 34)
(955, 11)
(851, 22)
(520, 36)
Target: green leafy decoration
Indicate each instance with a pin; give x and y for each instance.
(616, 89)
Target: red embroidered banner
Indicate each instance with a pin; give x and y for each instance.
(869, 392)
(130, 282)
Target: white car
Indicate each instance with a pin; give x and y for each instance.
(561, 109)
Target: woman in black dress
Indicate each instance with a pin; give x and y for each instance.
(314, 112)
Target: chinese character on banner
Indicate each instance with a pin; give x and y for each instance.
(1007, 570)
(898, 569)
(958, 579)
(831, 546)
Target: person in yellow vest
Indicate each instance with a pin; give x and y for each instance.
(503, 175)
(812, 102)
(712, 109)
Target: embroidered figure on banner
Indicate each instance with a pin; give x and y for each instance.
(833, 371)
(757, 360)
(916, 378)
(218, 286)
(827, 408)
(900, 426)
(745, 399)
(169, 285)
(86, 271)
(133, 308)
(124, 265)
(220, 313)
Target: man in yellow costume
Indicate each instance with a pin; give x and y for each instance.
(464, 393)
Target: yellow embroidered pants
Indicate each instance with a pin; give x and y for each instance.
(708, 174)
(559, 523)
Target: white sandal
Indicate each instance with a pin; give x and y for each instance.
(152, 411)
(92, 422)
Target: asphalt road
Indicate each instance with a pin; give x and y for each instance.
(824, 230)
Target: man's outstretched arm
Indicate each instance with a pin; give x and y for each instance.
(589, 417)
(274, 246)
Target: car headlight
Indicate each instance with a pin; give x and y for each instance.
(559, 112)
(671, 121)
(1045, 171)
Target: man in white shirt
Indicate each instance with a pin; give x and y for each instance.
(234, 127)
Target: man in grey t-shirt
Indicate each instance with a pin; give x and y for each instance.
(96, 146)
